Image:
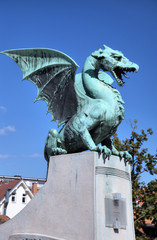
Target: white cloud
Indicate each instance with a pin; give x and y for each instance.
(36, 155)
(5, 130)
(5, 156)
(33, 155)
(3, 109)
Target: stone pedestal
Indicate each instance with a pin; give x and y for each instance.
(85, 197)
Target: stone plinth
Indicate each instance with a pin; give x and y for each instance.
(85, 197)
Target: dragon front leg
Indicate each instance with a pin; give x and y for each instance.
(85, 122)
(89, 143)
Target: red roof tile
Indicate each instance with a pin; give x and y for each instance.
(3, 219)
(4, 186)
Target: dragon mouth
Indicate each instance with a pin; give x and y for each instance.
(119, 72)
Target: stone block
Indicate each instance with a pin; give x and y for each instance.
(85, 197)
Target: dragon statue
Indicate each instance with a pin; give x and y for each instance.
(86, 105)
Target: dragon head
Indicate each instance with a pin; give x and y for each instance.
(115, 62)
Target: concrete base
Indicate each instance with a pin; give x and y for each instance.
(80, 200)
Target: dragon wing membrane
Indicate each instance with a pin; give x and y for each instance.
(53, 73)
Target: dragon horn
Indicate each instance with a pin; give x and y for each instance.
(106, 47)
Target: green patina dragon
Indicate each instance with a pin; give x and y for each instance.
(86, 104)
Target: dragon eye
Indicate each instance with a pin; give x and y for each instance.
(118, 58)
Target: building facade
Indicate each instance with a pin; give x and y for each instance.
(16, 192)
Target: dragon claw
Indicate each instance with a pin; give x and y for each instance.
(105, 150)
(125, 155)
(58, 151)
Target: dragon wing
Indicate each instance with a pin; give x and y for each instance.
(53, 73)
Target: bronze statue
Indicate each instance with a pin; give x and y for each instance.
(86, 105)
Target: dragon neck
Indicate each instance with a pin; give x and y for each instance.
(94, 87)
(97, 89)
(90, 77)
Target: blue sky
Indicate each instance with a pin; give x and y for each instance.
(76, 28)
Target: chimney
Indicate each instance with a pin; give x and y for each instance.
(34, 188)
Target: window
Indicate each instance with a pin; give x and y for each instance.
(13, 197)
(23, 198)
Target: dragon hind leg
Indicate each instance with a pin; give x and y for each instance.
(53, 145)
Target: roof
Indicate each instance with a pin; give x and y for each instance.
(4, 186)
(3, 219)
(17, 177)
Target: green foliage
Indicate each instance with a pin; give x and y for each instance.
(144, 196)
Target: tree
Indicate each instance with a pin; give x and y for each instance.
(144, 195)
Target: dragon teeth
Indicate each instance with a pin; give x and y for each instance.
(125, 75)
